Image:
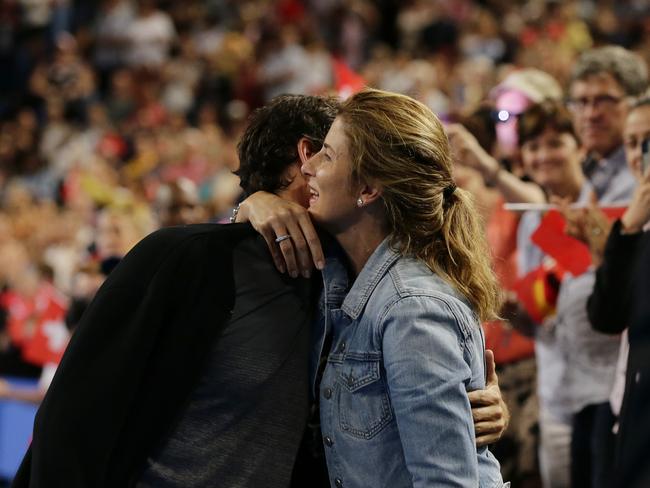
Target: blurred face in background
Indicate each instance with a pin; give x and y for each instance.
(637, 129)
(180, 204)
(116, 234)
(599, 110)
(552, 160)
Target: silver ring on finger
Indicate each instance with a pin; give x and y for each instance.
(279, 239)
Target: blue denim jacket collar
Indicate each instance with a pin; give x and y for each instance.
(336, 279)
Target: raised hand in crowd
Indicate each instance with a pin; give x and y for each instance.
(589, 225)
(468, 152)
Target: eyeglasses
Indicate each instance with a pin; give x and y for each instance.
(598, 102)
(501, 116)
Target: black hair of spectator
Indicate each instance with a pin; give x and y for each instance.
(627, 68)
(269, 144)
(546, 115)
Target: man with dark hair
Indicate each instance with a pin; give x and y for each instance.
(271, 139)
(190, 367)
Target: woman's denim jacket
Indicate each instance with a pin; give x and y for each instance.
(405, 349)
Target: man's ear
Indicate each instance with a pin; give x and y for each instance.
(305, 149)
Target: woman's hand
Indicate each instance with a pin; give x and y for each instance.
(274, 217)
(489, 411)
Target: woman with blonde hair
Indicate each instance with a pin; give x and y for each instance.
(402, 301)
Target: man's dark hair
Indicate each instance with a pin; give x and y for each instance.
(269, 144)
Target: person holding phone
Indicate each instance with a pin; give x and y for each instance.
(616, 249)
(616, 305)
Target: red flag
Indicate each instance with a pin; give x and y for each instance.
(346, 81)
(570, 253)
(613, 213)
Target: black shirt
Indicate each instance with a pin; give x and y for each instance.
(243, 422)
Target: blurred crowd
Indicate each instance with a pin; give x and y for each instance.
(118, 117)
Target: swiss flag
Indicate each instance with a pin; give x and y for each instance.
(36, 324)
(50, 336)
(48, 343)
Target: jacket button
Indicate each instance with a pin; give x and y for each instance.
(342, 347)
(327, 393)
(328, 441)
(338, 483)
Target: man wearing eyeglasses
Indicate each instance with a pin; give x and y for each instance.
(602, 82)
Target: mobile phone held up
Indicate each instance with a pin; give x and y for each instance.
(645, 156)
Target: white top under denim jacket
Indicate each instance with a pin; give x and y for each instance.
(405, 349)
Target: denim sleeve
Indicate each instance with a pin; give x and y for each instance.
(427, 373)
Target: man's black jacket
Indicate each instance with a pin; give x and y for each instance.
(621, 298)
(134, 359)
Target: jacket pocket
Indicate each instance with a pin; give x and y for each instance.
(364, 406)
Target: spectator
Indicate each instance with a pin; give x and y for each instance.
(179, 204)
(117, 233)
(602, 81)
(518, 91)
(111, 41)
(551, 156)
(150, 36)
(67, 77)
(513, 352)
(611, 304)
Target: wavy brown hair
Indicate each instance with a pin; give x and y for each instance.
(400, 144)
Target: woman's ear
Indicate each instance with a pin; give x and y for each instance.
(305, 149)
(370, 192)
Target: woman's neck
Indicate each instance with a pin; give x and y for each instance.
(360, 240)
